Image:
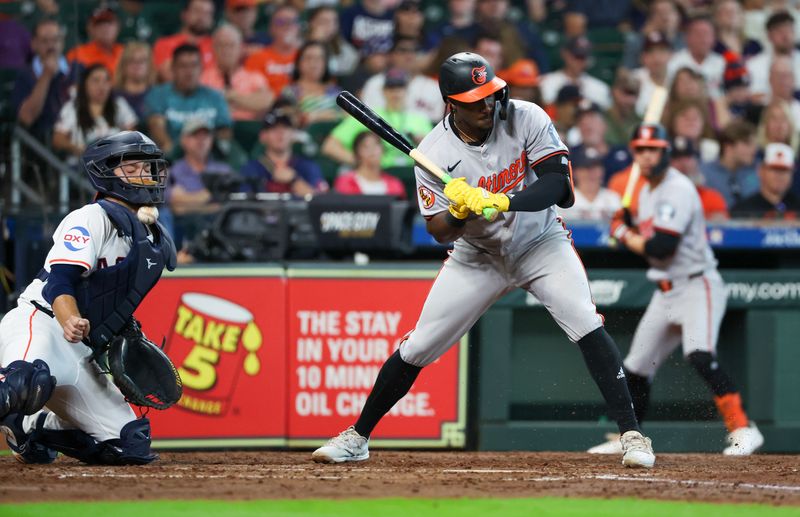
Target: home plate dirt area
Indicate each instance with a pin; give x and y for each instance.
(769, 479)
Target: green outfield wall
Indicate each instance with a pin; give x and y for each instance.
(532, 391)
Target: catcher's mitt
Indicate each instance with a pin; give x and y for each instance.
(141, 370)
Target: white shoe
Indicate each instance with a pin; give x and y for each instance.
(611, 446)
(348, 446)
(637, 450)
(744, 441)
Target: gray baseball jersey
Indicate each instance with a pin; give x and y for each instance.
(674, 207)
(529, 250)
(689, 304)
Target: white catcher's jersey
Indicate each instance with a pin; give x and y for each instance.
(674, 207)
(84, 238)
(504, 163)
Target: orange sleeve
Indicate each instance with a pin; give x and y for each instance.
(255, 62)
(162, 51)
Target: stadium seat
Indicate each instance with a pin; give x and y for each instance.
(8, 77)
(406, 175)
(608, 44)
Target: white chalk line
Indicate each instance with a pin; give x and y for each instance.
(647, 478)
(312, 473)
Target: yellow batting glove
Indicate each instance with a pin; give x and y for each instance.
(456, 189)
(477, 199)
(459, 211)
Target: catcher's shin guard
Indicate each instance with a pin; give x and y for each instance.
(25, 387)
(131, 448)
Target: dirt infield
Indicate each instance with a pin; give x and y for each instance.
(768, 479)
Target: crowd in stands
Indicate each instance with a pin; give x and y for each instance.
(241, 93)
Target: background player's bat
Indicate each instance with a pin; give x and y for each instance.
(651, 116)
(375, 123)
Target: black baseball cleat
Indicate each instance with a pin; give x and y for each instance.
(24, 446)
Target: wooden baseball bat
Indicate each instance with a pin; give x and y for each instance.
(653, 115)
(375, 123)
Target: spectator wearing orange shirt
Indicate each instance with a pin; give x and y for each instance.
(103, 48)
(246, 91)
(368, 178)
(276, 61)
(197, 20)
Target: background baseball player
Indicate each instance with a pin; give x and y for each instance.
(509, 157)
(688, 306)
(99, 268)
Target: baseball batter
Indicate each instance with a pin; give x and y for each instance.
(105, 257)
(689, 303)
(508, 157)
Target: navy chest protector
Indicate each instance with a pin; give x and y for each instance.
(109, 296)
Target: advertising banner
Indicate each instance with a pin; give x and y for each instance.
(340, 331)
(227, 337)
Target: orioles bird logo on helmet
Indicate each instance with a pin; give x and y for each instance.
(479, 75)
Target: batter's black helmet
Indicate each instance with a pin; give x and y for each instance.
(468, 77)
(102, 157)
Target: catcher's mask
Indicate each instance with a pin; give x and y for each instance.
(128, 166)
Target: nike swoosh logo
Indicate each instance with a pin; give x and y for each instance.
(450, 169)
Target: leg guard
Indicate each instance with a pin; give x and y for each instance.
(25, 446)
(640, 393)
(131, 448)
(26, 388)
(706, 365)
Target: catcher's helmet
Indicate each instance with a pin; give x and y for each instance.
(102, 158)
(468, 77)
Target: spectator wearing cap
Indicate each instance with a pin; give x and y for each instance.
(736, 83)
(523, 81)
(42, 88)
(734, 173)
(243, 15)
(662, 17)
(773, 199)
(656, 53)
(685, 157)
(339, 144)
(135, 76)
(576, 54)
(423, 95)
(592, 129)
(592, 200)
(276, 61)
(699, 55)
(781, 35)
(168, 106)
(311, 90)
(278, 169)
(102, 48)
(246, 92)
(368, 178)
(93, 114)
(621, 117)
(518, 38)
(368, 25)
(197, 20)
(323, 26)
(186, 191)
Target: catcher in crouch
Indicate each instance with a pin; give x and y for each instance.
(77, 317)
